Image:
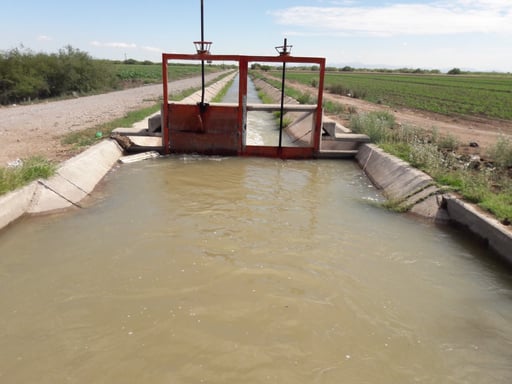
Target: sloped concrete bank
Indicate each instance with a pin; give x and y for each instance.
(74, 180)
(409, 188)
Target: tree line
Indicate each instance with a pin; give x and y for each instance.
(25, 75)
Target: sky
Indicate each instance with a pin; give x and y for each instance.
(427, 34)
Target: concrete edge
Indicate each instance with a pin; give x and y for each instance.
(14, 204)
(417, 191)
(497, 236)
(396, 178)
(74, 180)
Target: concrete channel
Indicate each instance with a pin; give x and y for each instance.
(400, 183)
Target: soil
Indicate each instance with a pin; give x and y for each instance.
(37, 129)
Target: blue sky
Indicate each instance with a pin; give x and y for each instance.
(442, 34)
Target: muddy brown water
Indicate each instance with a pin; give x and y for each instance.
(241, 270)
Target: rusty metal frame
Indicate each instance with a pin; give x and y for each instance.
(243, 65)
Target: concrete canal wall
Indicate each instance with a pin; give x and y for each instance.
(74, 180)
(415, 191)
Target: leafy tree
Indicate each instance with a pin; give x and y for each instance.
(454, 71)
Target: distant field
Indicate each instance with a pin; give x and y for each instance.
(152, 73)
(485, 95)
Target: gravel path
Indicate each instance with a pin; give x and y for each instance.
(36, 129)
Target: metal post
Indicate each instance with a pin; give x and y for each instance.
(282, 97)
(202, 50)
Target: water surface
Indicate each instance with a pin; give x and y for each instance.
(239, 270)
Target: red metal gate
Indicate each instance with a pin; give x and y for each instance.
(220, 129)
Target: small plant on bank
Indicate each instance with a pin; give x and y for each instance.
(29, 170)
(376, 125)
(222, 93)
(490, 187)
(286, 120)
(265, 99)
(306, 98)
(501, 153)
(333, 108)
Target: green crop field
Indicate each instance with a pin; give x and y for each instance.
(485, 95)
(152, 73)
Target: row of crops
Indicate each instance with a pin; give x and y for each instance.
(486, 95)
(152, 73)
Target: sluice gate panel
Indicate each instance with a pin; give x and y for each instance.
(215, 129)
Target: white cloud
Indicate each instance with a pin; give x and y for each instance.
(113, 45)
(44, 38)
(434, 18)
(152, 49)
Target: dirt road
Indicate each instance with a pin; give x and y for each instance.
(37, 129)
(28, 130)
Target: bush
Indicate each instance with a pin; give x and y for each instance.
(374, 124)
(501, 152)
(305, 98)
(27, 76)
(425, 157)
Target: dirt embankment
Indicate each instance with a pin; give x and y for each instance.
(37, 129)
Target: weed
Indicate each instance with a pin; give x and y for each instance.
(448, 142)
(265, 99)
(501, 152)
(333, 108)
(395, 206)
(306, 98)
(374, 124)
(425, 157)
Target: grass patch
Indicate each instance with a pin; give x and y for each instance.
(333, 108)
(31, 169)
(500, 203)
(220, 96)
(265, 99)
(395, 206)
